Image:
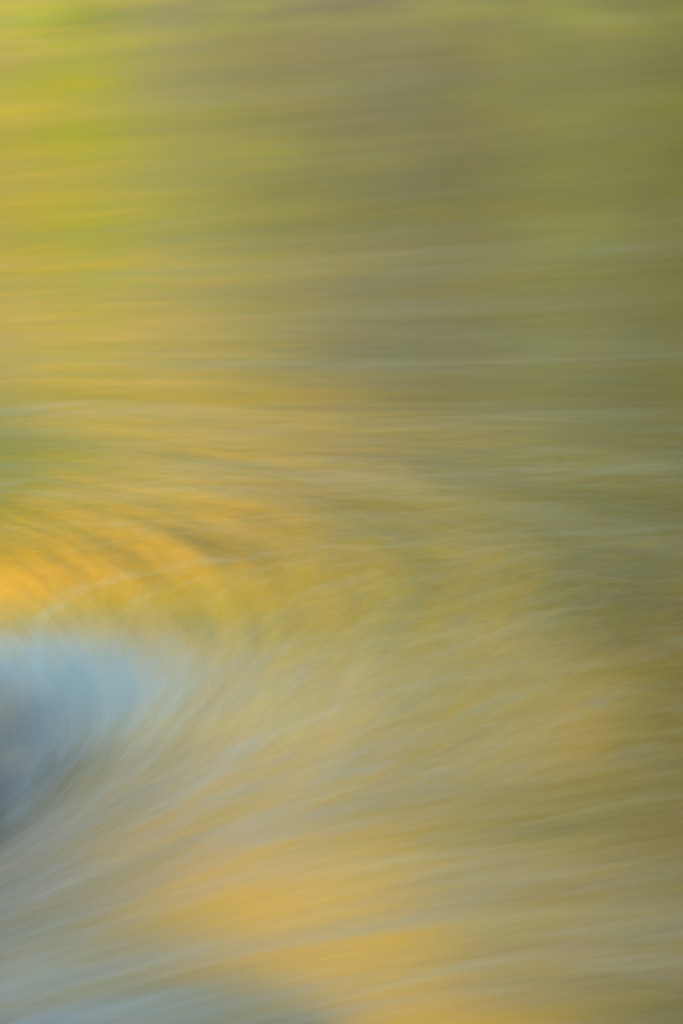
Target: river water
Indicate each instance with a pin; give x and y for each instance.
(339, 454)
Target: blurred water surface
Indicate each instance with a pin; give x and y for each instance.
(339, 454)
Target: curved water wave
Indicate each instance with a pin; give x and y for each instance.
(310, 723)
(339, 573)
(65, 700)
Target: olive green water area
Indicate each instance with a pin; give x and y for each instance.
(339, 396)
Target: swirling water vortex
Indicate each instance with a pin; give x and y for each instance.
(290, 743)
(339, 573)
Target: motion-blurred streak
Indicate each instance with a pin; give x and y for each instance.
(339, 575)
